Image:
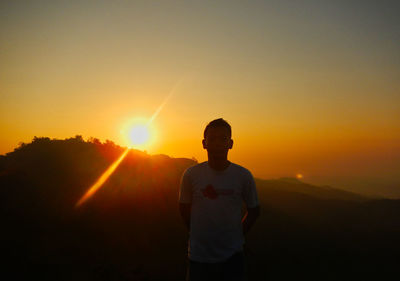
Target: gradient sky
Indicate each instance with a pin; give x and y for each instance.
(310, 87)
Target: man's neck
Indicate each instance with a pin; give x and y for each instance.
(218, 164)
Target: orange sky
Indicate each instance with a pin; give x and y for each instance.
(308, 88)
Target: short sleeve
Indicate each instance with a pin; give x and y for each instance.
(185, 190)
(250, 196)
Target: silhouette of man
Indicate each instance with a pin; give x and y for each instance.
(210, 201)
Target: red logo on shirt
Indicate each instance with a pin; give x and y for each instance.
(210, 192)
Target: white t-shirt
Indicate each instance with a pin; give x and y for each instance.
(216, 231)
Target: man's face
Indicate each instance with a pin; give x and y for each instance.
(217, 141)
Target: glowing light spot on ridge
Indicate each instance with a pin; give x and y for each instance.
(299, 176)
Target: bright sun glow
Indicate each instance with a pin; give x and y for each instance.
(138, 133)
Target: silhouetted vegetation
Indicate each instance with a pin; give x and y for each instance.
(131, 229)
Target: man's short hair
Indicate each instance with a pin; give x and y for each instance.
(218, 123)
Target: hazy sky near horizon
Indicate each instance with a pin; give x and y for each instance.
(310, 87)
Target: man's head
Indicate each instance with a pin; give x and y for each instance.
(217, 123)
(217, 137)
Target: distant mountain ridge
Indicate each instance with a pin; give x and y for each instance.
(320, 192)
(62, 151)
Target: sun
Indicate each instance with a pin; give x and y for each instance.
(138, 133)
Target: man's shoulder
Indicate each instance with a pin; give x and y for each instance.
(195, 168)
(240, 169)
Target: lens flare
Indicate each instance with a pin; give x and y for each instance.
(140, 134)
(103, 178)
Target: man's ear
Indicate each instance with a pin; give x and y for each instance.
(231, 144)
(204, 144)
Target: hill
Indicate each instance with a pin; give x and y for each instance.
(131, 229)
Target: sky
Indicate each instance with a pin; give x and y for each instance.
(309, 87)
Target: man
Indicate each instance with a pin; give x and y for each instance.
(210, 202)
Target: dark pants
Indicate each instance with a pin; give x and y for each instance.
(232, 269)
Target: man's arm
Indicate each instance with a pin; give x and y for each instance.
(250, 218)
(185, 211)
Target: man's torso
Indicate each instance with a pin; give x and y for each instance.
(217, 199)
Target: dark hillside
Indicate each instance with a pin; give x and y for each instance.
(131, 229)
